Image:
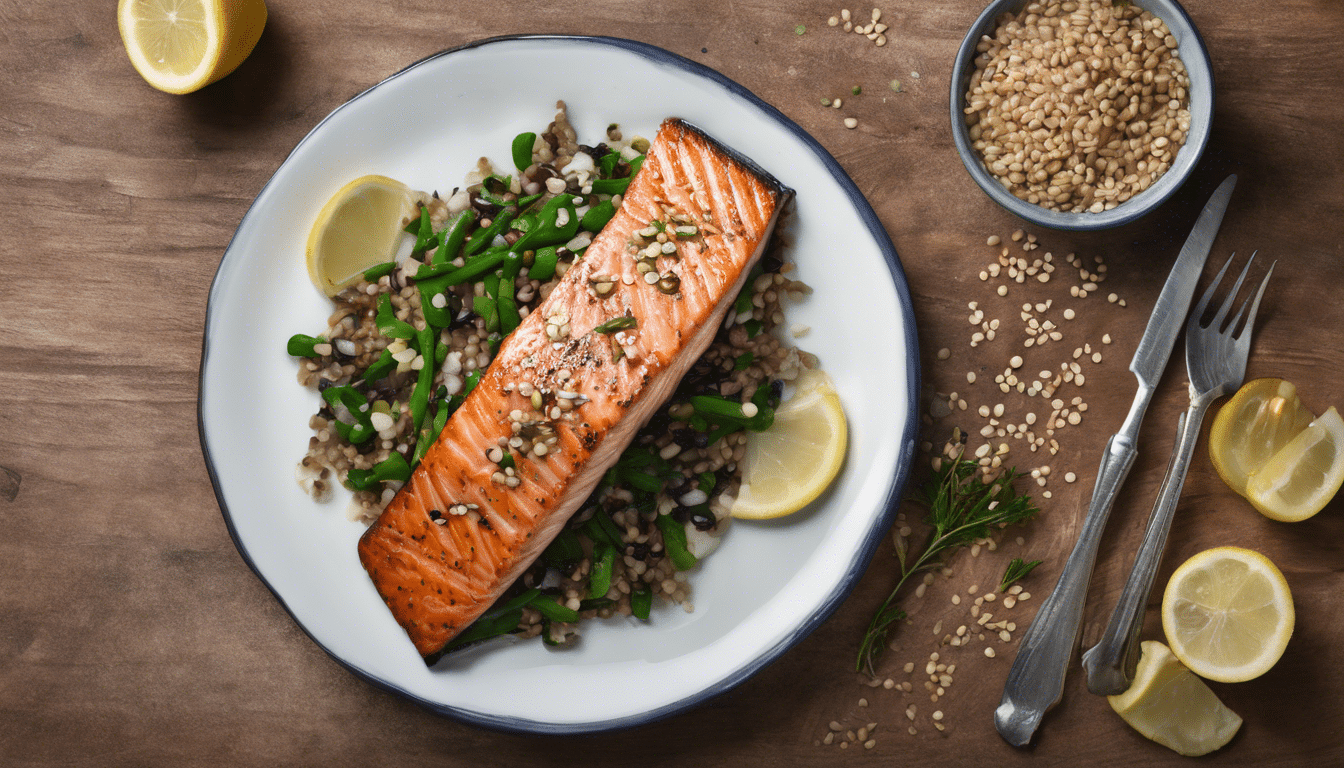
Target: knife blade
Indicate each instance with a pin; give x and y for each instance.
(1036, 681)
(1174, 302)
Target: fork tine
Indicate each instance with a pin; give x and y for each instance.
(1245, 336)
(1197, 314)
(1231, 299)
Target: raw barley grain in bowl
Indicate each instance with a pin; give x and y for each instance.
(1078, 105)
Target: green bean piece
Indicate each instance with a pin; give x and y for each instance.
(354, 401)
(435, 316)
(594, 531)
(469, 383)
(743, 361)
(447, 275)
(431, 435)
(636, 164)
(388, 324)
(378, 270)
(698, 423)
(743, 303)
(551, 608)
(608, 527)
(606, 166)
(483, 237)
(381, 367)
(599, 579)
(424, 231)
(564, 551)
(595, 603)
(641, 480)
(394, 467)
(546, 231)
(674, 541)
(641, 601)
(522, 150)
(425, 383)
(499, 621)
(300, 345)
(611, 186)
(707, 482)
(753, 327)
(597, 216)
(715, 407)
(543, 264)
(523, 202)
(506, 299)
(486, 307)
(452, 237)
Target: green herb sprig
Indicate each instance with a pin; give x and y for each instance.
(1016, 571)
(962, 508)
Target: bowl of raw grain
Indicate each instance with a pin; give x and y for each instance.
(1081, 114)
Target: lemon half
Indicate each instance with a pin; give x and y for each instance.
(180, 46)
(359, 227)
(1170, 705)
(1228, 614)
(791, 463)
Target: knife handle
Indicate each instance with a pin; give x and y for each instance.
(1036, 681)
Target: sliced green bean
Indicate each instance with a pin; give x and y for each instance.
(551, 608)
(615, 324)
(424, 232)
(547, 231)
(597, 216)
(485, 236)
(425, 383)
(611, 186)
(599, 579)
(452, 237)
(381, 367)
(543, 264)
(522, 150)
(641, 601)
(300, 345)
(564, 551)
(674, 542)
(388, 324)
(354, 401)
(394, 467)
(378, 270)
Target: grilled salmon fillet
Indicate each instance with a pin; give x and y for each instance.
(571, 386)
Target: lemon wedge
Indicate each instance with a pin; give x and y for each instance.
(180, 46)
(1270, 449)
(791, 463)
(1260, 419)
(1228, 614)
(359, 227)
(1170, 705)
(1303, 476)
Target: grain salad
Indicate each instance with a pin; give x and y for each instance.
(385, 396)
(1078, 105)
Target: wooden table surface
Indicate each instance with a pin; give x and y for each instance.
(132, 633)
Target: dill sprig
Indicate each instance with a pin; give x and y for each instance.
(962, 508)
(1016, 571)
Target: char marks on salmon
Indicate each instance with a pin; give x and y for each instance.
(574, 385)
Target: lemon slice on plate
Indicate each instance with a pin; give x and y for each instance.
(1261, 418)
(180, 46)
(359, 227)
(1170, 705)
(791, 463)
(1299, 480)
(1227, 613)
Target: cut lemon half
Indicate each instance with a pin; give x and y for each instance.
(359, 227)
(1227, 613)
(1170, 705)
(1304, 475)
(180, 46)
(1259, 420)
(791, 463)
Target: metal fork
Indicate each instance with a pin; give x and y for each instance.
(1215, 358)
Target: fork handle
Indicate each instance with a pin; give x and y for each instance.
(1036, 681)
(1111, 663)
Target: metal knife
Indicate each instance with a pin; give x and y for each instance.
(1036, 681)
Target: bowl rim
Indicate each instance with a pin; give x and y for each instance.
(1193, 52)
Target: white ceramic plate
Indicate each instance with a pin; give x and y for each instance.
(766, 587)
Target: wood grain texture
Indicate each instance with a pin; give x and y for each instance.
(132, 633)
